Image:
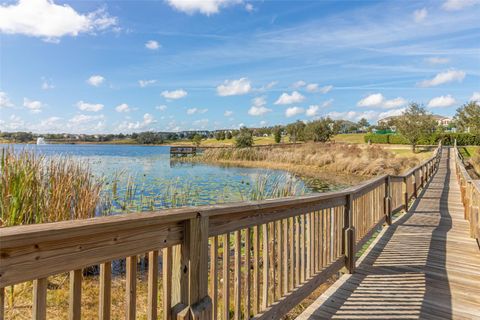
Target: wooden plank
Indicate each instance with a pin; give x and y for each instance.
(214, 276)
(39, 309)
(75, 297)
(266, 267)
(256, 270)
(285, 257)
(226, 276)
(291, 254)
(152, 286)
(2, 303)
(280, 258)
(238, 276)
(297, 250)
(167, 276)
(247, 273)
(44, 257)
(131, 288)
(105, 294)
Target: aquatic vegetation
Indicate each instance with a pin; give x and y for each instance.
(340, 158)
(36, 189)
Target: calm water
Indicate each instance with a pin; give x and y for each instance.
(145, 178)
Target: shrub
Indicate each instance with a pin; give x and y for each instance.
(376, 138)
(244, 139)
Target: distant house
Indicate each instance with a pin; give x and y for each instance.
(441, 120)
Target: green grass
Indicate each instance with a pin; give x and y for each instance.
(468, 152)
(350, 137)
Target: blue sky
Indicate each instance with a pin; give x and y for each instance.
(124, 66)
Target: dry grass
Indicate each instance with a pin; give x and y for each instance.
(365, 161)
(35, 189)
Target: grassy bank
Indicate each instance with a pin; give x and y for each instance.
(350, 162)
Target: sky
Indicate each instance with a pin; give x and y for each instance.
(172, 65)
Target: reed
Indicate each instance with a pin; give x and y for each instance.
(339, 158)
(36, 189)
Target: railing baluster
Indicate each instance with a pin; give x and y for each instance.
(152, 294)
(214, 276)
(167, 276)
(226, 276)
(131, 288)
(75, 304)
(247, 273)
(285, 256)
(265, 285)
(2, 303)
(279, 258)
(256, 269)
(105, 299)
(238, 275)
(39, 311)
(291, 253)
(297, 250)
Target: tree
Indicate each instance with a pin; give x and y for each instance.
(363, 124)
(228, 135)
(415, 123)
(220, 135)
(320, 130)
(197, 139)
(296, 131)
(468, 117)
(277, 134)
(149, 138)
(244, 138)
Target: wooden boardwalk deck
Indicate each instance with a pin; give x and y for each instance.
(424, 266)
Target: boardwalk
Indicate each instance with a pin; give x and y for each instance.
(424, 266)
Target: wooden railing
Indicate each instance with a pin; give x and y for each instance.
(246, 260)
(470, 191)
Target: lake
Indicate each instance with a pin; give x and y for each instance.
(145, 178)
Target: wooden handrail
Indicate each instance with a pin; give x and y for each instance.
(288, 246)
(470, 193)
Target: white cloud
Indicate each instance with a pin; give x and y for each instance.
(161, 107)
(202, 123)
(234, 87)
(152, 45)
(258, 107)
(83, 118)
(373, 100)
(293, 111)
(312, 110)
(50, 21)
(249, 7)
(196, 110)
(228, 113)
(33, 105)
(96, 80)
(136, 125)
(268, 86)
(327, 103)
(286, 98)
(299, 84)
(145, 83)
(5, 100)
(454, 5)
(93, 107)
(175, 94)
(122, 108)
(258, 111)
(46, 85)
(437, 60)
(206, 7)
(14, 123)
(377, 100)
(441, 102)
(313, 87)
(394, 103)
(475, 96)
(420, 15)
(444, 77)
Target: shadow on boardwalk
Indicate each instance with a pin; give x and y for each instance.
(404, 274)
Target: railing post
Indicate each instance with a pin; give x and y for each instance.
(349, 236)
(415, 193)
(388, 202)
(405, 194)
(190, 297)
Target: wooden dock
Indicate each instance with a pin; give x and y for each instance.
(260, 259)
(424, 266)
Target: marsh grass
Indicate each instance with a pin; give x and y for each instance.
(338, 158)
(36, 189)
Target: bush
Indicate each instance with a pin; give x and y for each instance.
(244, 139)
(448, 139)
